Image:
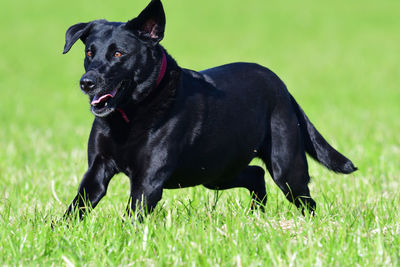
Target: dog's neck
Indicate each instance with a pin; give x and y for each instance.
(160, 77)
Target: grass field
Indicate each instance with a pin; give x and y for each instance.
(341, 61)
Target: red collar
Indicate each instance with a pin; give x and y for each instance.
(159, 79)
(163, 68)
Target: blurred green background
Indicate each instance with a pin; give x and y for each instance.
(340, 60)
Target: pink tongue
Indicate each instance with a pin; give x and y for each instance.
(97, 99)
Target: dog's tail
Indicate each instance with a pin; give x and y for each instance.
(318, 148)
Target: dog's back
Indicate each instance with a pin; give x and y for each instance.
(230, 112)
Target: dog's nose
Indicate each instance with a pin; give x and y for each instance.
(87, 83)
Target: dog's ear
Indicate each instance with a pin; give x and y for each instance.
(150, 23)
(75, 32)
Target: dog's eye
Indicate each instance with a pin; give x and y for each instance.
(89, 53)
(117, 54)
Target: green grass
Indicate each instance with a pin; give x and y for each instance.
(341, 60)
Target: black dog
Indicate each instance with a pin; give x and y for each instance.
(169, 127)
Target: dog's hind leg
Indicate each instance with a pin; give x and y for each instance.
(252, 178)
(284, 155)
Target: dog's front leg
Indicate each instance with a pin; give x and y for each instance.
(93, 186)
(145, 194)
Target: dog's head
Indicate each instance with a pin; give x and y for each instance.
(122, 61)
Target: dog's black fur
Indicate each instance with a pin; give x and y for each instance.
(194, 128)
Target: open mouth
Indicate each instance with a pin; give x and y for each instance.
(104, 104)
(102, 100)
